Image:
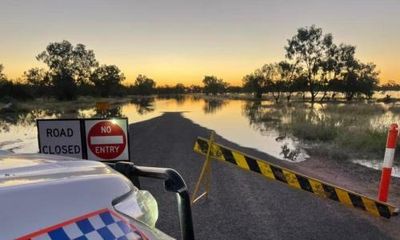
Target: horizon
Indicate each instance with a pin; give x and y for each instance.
(181, 42)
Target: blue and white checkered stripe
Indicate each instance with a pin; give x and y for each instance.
(103, 226)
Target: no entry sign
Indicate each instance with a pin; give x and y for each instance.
(107, 139)
(94, 139)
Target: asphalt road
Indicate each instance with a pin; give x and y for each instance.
(242, 205)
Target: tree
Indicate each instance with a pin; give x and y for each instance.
(69, 66)
(64, 85)
(195, 89)
(299, 84)
(37, 77)
(234, 89)
(10, 89)
(349, 75)
(255, 83)
(4, 83)
(276, 78)
(339, 70)
(2, 75)
(360, 79)
(289, 73)
(39, 81)
(389, 86)
(273, 80)
(84, 62)
(144, 85)
(309, 49)
(368, 79)
(107, 79)
(214, 85)
(180, 88)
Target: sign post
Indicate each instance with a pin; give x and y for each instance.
(93, 139)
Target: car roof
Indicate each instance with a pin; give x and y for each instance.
(20, 169)
(37, 191)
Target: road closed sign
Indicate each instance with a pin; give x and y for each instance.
(60, 137)
(93, 139)
(107, 140)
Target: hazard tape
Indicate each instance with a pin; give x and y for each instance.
(296, 180)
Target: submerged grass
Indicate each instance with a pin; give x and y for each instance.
(353, 132)
(314, 131)
(339, 131)
(364, 143)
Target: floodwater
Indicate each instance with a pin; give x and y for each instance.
(262, 125)
(228, 118)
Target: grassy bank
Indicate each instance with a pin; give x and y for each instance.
(342, 131)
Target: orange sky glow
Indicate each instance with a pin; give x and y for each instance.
(181, 41)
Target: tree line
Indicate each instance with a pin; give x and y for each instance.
(313, 66)
(73, 71)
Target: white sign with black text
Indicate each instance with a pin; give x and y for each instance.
(60, 137)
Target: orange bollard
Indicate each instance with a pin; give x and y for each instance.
(388, 163)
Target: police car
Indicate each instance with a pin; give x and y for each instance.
(57, 197)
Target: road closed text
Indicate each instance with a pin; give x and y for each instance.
(57, 133)
(61, 149)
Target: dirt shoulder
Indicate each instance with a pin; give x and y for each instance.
(350, 175)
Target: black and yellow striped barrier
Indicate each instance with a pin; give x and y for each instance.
(294, 179)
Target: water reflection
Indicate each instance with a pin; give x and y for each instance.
(213, 105)
(266, 117)
(377, 165)
(114, 111)
(261, 115)
(281, 130)
(290, 154)
(196, 98)
(24, 118)
(144, 105)
(18, 130)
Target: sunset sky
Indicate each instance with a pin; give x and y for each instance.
(181, 41)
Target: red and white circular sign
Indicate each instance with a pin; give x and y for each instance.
(106, 140)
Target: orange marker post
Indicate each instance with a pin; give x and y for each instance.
(388, 163)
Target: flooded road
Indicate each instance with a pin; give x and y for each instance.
(227, 117)
(285, 131)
